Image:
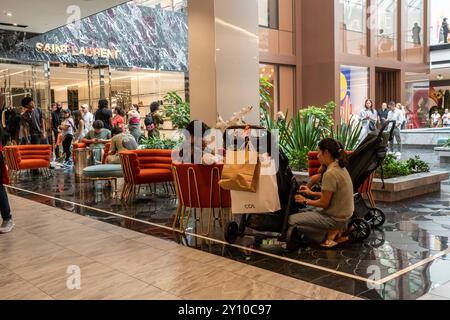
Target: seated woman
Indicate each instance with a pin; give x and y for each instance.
(336, 199)
(197, 146)
(121, 141)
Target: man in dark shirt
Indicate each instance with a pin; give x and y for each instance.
(33, 123)
(104, 114)
(56, 122)
(383, 113)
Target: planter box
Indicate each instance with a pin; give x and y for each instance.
(402, 188)
(444, 154)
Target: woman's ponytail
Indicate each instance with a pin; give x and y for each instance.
(342, 158)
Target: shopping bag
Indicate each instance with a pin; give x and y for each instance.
(241, 170)
(265, 200)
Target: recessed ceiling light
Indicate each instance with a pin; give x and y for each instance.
(9, 14)
(15, 24)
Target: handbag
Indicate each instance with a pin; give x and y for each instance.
(265, 200)
(241, 170)
(372, 126)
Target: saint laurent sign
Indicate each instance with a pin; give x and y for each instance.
(66, 49)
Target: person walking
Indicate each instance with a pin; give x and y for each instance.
(446, 119)
(383, 114)
(104, 114)
(435, 119)
(152, 121)
(56, 122)
(88, 118)
(5, 209)
(134, 122)
(79, 126)
(118, 120)
(33, 123)
(67, 131)
(368, 117)
(395, 115)
(400, 107)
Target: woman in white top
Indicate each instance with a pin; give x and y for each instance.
(67, 130)
(79, 125)
(369, 118)
(435, 119)
(446, 119)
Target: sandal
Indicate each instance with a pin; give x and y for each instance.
(342, 239)
(329, 244)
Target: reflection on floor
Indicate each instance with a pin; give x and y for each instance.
(415, 231)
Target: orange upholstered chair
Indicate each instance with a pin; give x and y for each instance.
(145, 167)
(27, 157)
(81, 145)
(365, 188)
(197, 187)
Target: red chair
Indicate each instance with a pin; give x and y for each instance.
(81, 145)
(27, 157)
(197, 187)
(145, 167)
(364, 189)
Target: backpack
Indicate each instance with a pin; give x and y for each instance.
(149, 122)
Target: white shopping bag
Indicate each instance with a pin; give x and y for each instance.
(265, 200)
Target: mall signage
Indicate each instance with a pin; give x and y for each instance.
(67, 49)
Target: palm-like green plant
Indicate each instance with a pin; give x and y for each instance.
(299, 136)
(348, 134)
(264, 93)
(177, 110)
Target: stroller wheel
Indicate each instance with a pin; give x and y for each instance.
(375, 217)
(359, 229)
(231, 232)
(292, 239)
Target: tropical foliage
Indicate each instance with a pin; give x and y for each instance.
(177, 110)
(303, 132)
(264, 93)
(156, 142)
(393, 168)
(348, 134)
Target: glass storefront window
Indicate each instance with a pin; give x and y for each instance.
(414, 31)
(171, 5)
(420, 99)
(386, 36)
(354, 27)
(439, 10)
(268, 13)
(354, 90)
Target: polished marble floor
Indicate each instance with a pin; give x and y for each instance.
(406, 259)
(54, 254)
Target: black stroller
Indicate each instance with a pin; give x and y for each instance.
(367, 158)
(362, 163)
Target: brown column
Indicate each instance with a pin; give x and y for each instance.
(318, 51)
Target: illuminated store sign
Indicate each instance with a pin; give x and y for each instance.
(65, 49)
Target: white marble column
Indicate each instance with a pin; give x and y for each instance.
(223, 58)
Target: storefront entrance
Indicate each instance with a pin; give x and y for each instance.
(75, 85)
(387, 86)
